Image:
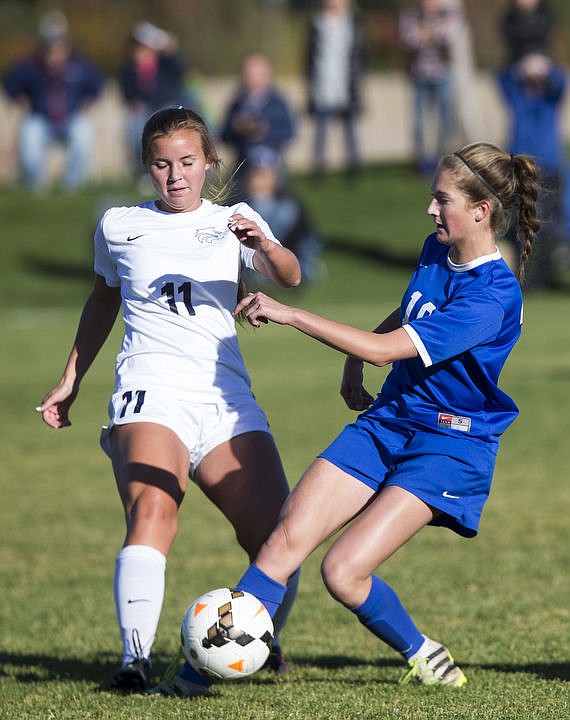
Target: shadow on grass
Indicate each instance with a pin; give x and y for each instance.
(546, 671)
(37, 668)
(31, 669)
(335, 662)
(34, 668)
(364, 251)
(58, 268)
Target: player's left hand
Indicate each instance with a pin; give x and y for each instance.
(352, 388)
(247, 231)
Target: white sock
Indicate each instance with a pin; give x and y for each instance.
(428, 646)
(139, 592)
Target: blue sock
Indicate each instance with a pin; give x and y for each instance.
(285, 608)
(188, 673)
(385, 616)
(265, 589)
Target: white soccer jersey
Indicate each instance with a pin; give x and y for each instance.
(178, 274)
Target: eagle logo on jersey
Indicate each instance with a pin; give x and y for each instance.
(209, 235)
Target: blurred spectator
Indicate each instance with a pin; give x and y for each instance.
(54, 87)
(527, 28)
(266, 193)
(427, 30)
(258, 115)
(335, 63)
(152, 78)
(533, 89)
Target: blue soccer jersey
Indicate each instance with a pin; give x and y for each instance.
(464, 320)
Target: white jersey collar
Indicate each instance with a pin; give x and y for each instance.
(464, 267)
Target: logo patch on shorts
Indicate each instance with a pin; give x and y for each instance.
(454, 422)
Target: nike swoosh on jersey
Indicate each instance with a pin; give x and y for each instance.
(134, 237)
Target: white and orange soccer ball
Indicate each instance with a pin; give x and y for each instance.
(226, 634)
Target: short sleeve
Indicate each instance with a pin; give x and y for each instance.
(458, 327)
(246, 253)
(103, 264)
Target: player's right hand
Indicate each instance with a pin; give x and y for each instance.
(55, 406)
(259, 308)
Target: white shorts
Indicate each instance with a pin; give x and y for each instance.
(200, 426)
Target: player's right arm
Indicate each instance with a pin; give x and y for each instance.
(97, 319)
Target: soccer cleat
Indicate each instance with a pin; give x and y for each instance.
(173, 685)
(178, 687)
(433, 665)
(276, 661)
(134, 677)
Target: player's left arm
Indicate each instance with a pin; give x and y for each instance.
(272, 260)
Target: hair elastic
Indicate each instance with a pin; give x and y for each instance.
(478, 176)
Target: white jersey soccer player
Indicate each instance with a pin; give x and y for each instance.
(182, 405)
(179, 275)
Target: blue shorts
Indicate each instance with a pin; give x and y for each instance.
(450, 474)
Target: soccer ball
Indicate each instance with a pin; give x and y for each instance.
(226, 634)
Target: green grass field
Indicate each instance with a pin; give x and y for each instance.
(500, 601)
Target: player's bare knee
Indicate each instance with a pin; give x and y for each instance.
(338, 576)
(330, 575)
(153, 510)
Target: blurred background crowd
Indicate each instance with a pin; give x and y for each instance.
(303, 85)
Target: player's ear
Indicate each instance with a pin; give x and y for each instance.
(482, 210)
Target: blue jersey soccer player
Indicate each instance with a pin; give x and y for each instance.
(424, 450)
